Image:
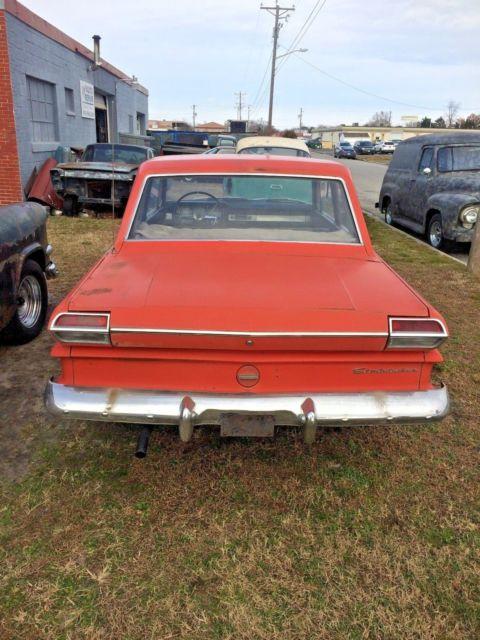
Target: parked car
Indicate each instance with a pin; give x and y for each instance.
(377, 147)
(25, 263)
(254, 299)
(314, 143)
(387, 147)
(432, 186)
(226, 141)
(222, 150)
(276, 146)
(344, 150)
(364, 148)
(88, 183)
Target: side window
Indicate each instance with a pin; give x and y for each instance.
(445, 159)
(426, 160)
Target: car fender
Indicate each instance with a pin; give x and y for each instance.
(389, 190)
(449, 204)
(22, 235)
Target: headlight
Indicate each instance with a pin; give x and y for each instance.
(469, 216)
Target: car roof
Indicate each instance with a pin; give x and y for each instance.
(247, 163)
(461, 137)
(271, 141)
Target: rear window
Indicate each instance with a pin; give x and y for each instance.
(245, 207)
(465, 158)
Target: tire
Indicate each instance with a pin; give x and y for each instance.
(29, 317)
(70, 206)
(435, 232)
(388, 213)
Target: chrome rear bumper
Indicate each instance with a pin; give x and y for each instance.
(190, 410)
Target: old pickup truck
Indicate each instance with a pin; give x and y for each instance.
(102, 179)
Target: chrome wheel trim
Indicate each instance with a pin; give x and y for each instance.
(435, 234)
(388, 215)
(30, 301)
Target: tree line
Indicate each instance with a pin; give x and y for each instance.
(450, 119)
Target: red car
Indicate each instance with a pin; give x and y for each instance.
(244, 292)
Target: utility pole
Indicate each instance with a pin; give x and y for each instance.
(474, 256)
(280, 14)
(239, 104)
(300, 117)
(194, 115)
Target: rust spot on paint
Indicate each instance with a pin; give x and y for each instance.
(93, 292)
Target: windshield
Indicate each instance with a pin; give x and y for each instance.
(365, 144)
(276, 151)
(123, 153)
(345, 145)
(465, 158)
(246, 207)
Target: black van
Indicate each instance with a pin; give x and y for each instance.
(432, 186)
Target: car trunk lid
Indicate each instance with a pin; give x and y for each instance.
(219, 296)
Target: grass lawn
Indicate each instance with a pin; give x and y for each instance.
(369, 534)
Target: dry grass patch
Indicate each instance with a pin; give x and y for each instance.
(371, 533)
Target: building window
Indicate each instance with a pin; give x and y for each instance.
(69, 102)
(130, 124)
(43, 110)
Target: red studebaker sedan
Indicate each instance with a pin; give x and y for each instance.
(244, 292)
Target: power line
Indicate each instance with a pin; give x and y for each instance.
(302, 32)
(260, 88)
(368, 93)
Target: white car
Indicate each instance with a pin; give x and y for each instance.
(387, 147)
(273, 146)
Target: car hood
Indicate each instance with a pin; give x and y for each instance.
(118, 167)
(170, 288)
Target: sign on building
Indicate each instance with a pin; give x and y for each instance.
(87, 99)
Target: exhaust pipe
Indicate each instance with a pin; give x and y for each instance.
(142, 442)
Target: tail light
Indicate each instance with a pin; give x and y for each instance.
(416, 333)
(82, 328)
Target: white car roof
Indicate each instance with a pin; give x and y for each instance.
(271, 141)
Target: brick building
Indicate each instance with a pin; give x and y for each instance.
(53, 94)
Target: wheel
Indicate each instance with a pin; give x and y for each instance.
(435, 232)
(388, 214)
(32, 302)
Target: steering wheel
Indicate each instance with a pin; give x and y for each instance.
(208, 217)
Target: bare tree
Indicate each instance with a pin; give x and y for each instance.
(452, 113)
(380, 119)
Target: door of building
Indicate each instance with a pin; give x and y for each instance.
(101, 118)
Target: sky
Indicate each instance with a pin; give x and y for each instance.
(414, 56)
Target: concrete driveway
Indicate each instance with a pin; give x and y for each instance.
(368, 177)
